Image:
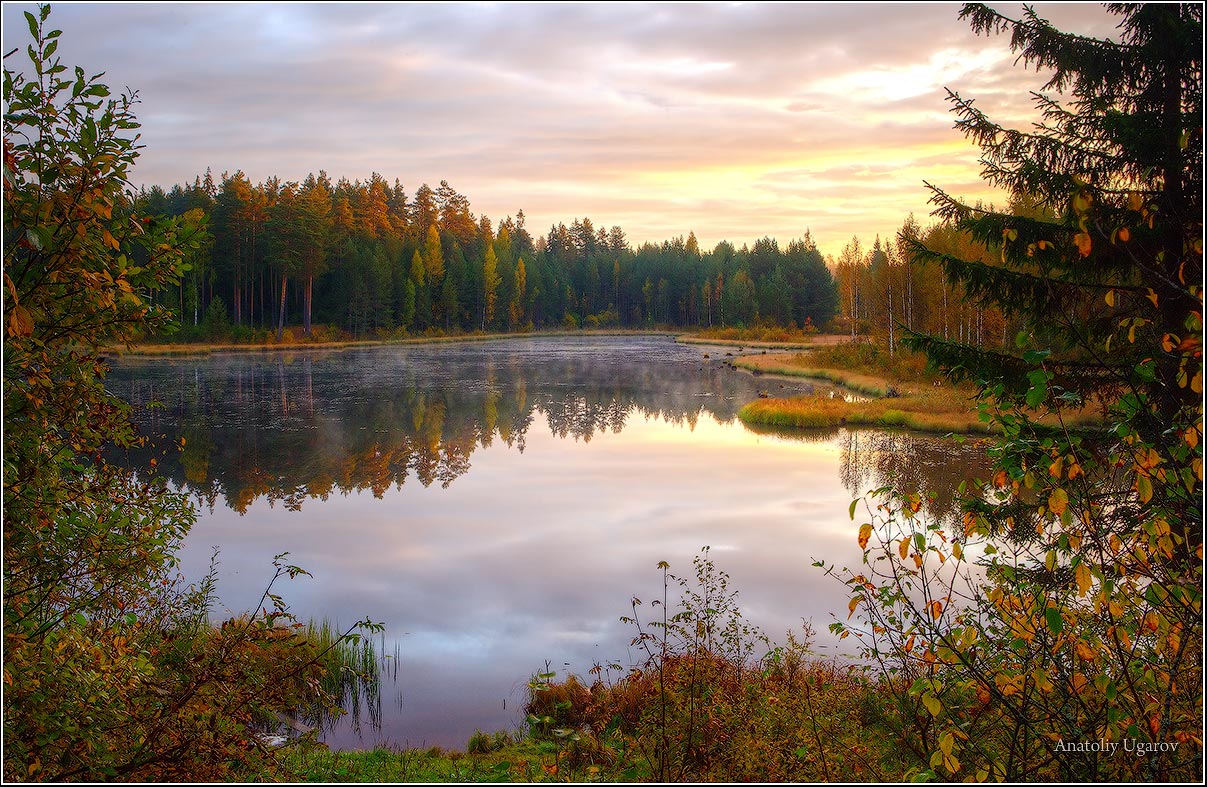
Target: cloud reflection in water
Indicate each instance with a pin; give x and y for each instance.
(589, 465)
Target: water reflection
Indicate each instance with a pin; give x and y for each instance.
(291, 426)
(497, 504)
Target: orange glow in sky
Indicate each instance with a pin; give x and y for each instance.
(734, 121)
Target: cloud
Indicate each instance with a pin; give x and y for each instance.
(643, 113)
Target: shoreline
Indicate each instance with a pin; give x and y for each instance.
(892, 404)
(202, 349)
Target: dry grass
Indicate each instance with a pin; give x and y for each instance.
(765, 340)
(923, 413)
(901, 400)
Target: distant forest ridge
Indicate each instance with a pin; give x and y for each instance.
(364, 258)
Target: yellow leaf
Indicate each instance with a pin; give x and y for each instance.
(854, 603)
(1058, 501)
(1110, 297)
(903, 548)
(1084, 580)
(1144, 488)
(865, 535)
(932, 703)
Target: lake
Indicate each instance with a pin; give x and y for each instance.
(497, 504)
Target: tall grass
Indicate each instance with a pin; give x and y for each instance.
(355, 669)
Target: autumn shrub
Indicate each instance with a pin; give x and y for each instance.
(714, 700)
(111, 667)
(555, 706)
(1055, 634)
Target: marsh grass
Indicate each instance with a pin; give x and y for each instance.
(904, 394)
(355, 668)
(918, 412)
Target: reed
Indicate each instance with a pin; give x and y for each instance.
(355, 668)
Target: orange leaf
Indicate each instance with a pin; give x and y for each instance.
(865, 535)
(1083, 242)
(20, 323)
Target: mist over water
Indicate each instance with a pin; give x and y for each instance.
(497, 504)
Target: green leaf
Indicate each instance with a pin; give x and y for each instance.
(852, 510)
(1054, 619)
(33, 24)
(1038, 391)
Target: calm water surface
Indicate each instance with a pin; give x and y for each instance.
(497, 504)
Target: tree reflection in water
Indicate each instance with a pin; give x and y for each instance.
(300, 424)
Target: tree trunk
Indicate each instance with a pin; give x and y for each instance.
(281, 319)
(306, 306)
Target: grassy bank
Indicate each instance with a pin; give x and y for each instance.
(901, 393)
(768, 338)
(712, 699)
(693, 717)
(895, 393)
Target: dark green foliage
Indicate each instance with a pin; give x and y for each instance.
(1068, 606)
(349, 249)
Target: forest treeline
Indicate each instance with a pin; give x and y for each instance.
(366, 259)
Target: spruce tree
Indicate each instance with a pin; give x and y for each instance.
(1067, 606)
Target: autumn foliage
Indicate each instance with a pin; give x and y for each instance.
(112, 667)
(1056, 633)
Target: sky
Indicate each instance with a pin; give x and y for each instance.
(734, 121)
